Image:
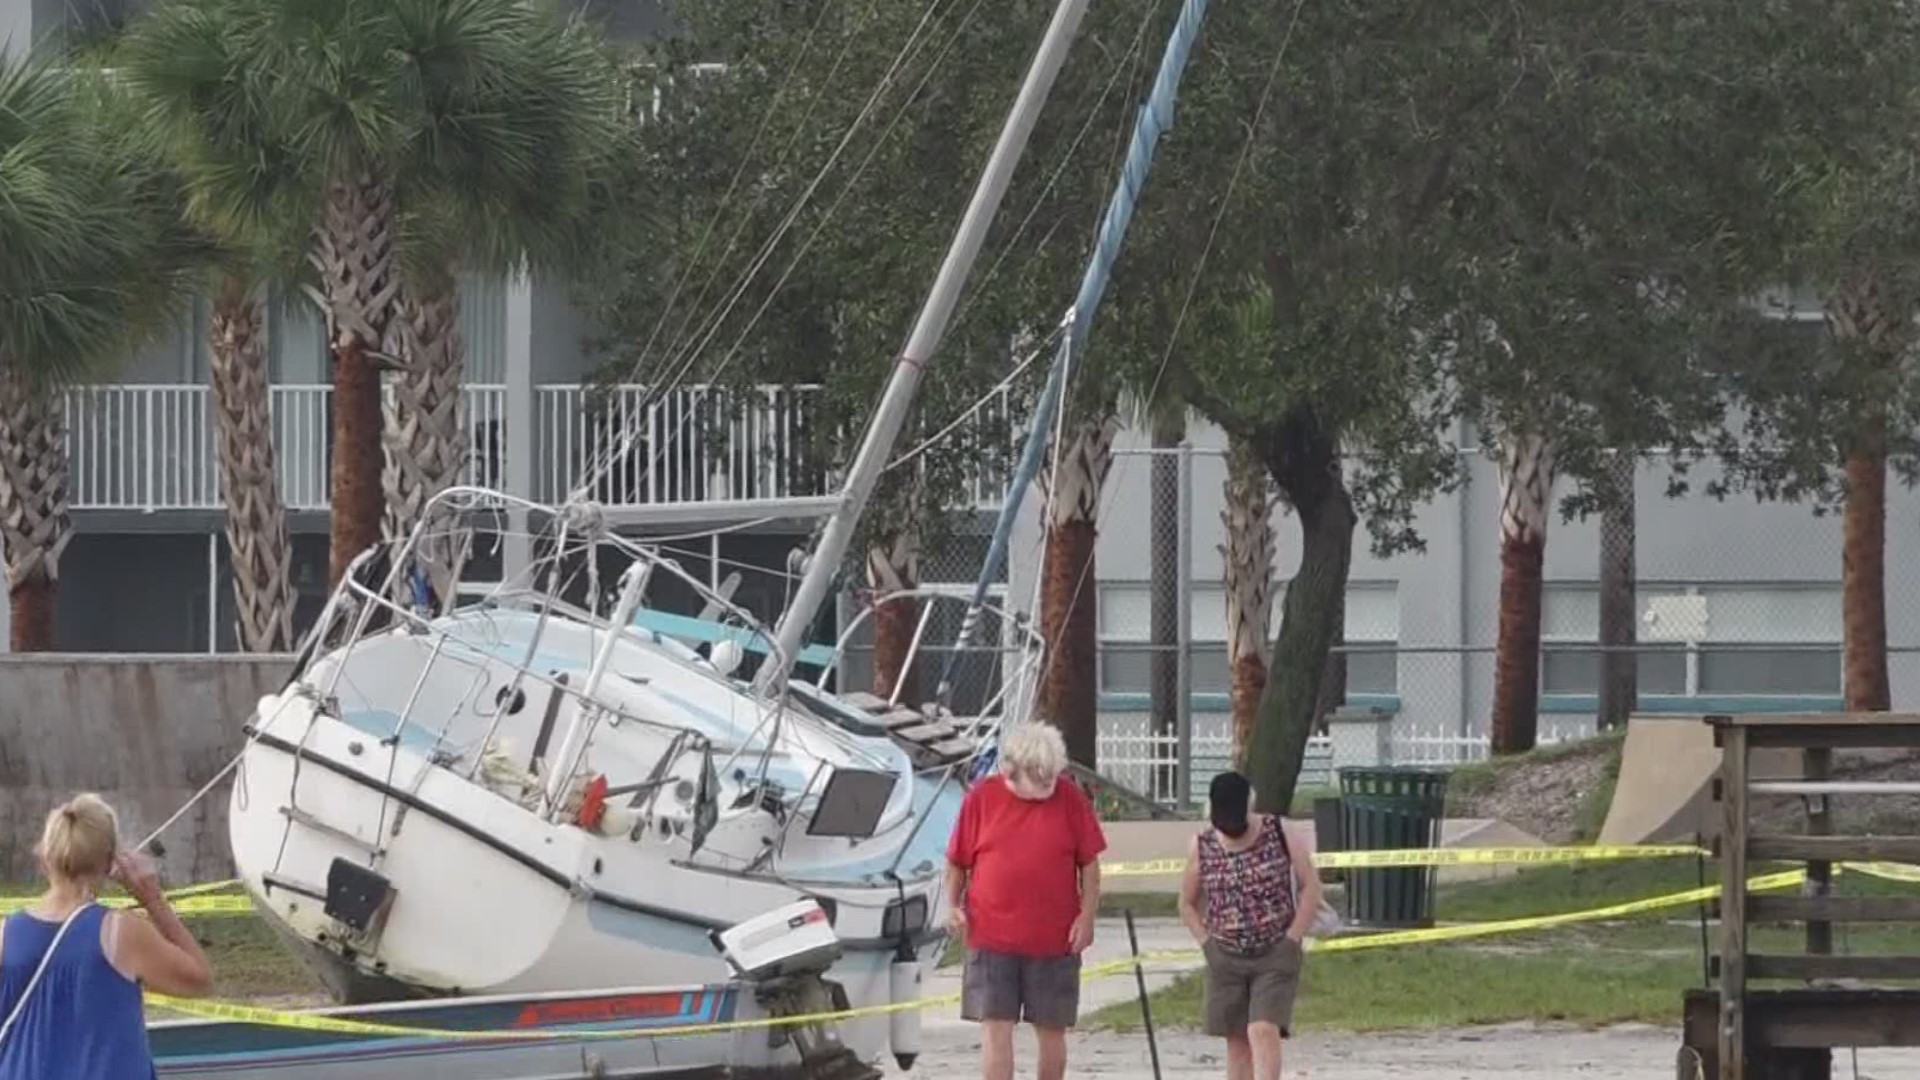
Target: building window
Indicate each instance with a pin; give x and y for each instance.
(1127, 649)
(1771, 640)
(1779, 640)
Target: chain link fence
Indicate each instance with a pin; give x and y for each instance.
(1663, 603)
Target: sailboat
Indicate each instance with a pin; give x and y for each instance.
(532, 795)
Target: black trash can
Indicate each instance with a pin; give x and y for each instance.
(1326, 836)
(1391, 809)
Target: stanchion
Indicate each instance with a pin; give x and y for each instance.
(1146, 1007)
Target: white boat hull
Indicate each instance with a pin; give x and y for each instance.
(490, 899)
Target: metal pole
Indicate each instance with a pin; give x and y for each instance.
(574, 743)
(213, 593)
(519, 446)
(888, 419)
(1183, 692)
(1146, 1008)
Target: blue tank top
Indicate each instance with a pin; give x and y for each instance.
(84, 1021)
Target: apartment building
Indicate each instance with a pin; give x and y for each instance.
(1739, 601)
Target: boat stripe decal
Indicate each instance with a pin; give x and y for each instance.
(705, 1006)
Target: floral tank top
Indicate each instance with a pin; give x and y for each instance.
(1249, 894)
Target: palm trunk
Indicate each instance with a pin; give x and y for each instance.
(1309, 617)
(1168, 429)
(1247, 557)
(1619, 667)
(35, 523)
(354, 252)
(256, 517)
(1863, 574)
(425, 437)
(894, 566)
(1858, 314)
(1526, 482)
(1069, 690)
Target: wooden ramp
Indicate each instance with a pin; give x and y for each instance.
(1667, 768)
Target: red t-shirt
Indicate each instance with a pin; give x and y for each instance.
(1023, 859)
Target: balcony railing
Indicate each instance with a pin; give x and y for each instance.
(152, 448)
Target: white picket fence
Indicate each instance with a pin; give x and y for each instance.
(1141, 759)
(1145, 761)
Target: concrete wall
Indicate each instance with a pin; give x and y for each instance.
(145, 733)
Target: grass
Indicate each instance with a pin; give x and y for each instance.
(249, 961)
(1590, 975)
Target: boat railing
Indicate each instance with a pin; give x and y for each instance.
(1020, 642)
(458, 508)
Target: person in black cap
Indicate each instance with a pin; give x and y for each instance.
(1249, 896)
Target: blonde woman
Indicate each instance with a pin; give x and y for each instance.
(1249, 896)
(71, 971)
(1023, 887)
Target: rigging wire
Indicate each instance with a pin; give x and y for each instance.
(686, 357)
(709, 324)
(1133, 51)
(733, 185)
(873, 152)
(1193, 284)
(967, 414)
(624, 442)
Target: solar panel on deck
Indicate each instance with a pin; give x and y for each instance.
(852, 803)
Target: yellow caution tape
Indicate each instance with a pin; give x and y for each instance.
(1488, 856)
(1886, 870)
(264, 1017)
(192, 899)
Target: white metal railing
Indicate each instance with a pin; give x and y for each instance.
(152, 447)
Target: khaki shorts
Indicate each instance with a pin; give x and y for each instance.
(1254, 989)
(1042, 990)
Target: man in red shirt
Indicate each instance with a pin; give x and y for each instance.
(1023, 884)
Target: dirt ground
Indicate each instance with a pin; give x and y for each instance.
(1503, 1053)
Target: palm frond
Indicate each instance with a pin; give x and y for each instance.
(97, 255)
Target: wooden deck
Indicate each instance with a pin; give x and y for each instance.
(1737, 1033)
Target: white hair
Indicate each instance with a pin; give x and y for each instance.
(1036, 749)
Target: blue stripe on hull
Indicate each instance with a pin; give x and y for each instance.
(228, 1046)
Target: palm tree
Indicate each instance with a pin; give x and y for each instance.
(1859, 316)
(257, 537)
(421, 133)
(1069, 688)
(893, 565)
(94, 258)
(1526, 495)
(1247, 559)
(259, 245)
(534, 201)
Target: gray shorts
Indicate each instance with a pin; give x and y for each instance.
(1042, 990)
(1255, 989)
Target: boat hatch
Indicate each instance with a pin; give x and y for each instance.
(852, 803)
(356, 896)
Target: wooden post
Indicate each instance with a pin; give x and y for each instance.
(1733, 903)
(1819, 872)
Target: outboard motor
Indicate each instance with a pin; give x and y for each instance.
(784, 955)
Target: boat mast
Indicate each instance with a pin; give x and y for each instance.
(1156, 116)
(871, 460)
